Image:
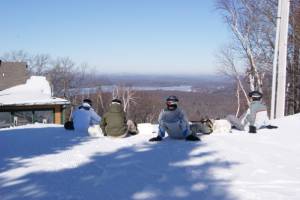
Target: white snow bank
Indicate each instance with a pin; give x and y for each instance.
(36, 91)
(35, 84)
(47, 162)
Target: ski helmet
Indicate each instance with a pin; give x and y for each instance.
(171, 102)
(172, 98)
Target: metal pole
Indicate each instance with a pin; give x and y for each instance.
(275, 61)
(282, 60)
(279, 95)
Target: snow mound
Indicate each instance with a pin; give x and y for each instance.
(35, 84)
(36, 91)
(47, 162)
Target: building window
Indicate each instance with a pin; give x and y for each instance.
(22, 117)
(43, 116)
(5, 119)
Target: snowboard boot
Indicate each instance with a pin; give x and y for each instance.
(156, 139)
(192, 138)
(271, 127)
(252, 129)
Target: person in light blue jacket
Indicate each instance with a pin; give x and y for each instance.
(174, 121)
(86, 120)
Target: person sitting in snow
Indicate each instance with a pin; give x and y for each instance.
(173, 120)
(114, 122)
(255, 117)
(86, 120)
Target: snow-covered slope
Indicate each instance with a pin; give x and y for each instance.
(47, 162)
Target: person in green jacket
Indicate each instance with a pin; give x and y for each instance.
(114, 122)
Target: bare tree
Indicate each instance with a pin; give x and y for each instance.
(126, 94)
(16, 56)
(253, 23)
(40, 64)
(97, 97)
(37, 64)
(247, 23)
(238, 100)
(228, 67)
(293, 69)
(62, 76)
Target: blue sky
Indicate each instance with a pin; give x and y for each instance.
(135, 36)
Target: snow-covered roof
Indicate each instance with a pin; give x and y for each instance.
(36, 91)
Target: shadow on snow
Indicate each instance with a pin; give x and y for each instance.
(154, 171)
(34, 142)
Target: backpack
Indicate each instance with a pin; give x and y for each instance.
(69, 125)
(207, 125)
(204, 126)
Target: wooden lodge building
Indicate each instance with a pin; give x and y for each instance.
(26, 101)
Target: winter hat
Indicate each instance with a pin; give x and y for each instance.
(255, 95)
(115, 100)
(88, 101)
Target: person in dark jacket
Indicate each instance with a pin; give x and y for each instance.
(174, 121)
(114, 122)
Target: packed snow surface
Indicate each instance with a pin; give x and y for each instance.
(47, 162)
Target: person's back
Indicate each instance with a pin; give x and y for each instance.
(175, 121)
(81, 119)
(84, 117)
(171, 116)
(114, 121)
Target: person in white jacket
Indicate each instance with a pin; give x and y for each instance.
(86, 120)
(255, 117)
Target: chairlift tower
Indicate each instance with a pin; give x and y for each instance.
(280, 60)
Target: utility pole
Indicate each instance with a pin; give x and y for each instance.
(280, 60)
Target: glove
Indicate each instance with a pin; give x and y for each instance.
(192, 138)
(252, 129)
(271, 127)
(156, 139)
